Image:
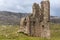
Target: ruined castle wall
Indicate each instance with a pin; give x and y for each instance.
(35, 19)
(45, 5)
(37, 24)
(22, 20)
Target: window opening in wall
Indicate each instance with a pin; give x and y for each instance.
(25, 23)
(42, 26)
(33, 23)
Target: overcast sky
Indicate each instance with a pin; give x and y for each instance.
(25, 6)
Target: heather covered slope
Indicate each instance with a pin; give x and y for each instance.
(55, 19)
(11, 18)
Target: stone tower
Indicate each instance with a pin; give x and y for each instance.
(45, 6)
(45, 9)
(37, 23)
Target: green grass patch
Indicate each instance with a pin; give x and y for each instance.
(9, 32)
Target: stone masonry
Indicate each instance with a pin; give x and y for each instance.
(37, 23)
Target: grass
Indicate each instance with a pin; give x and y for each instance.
(55, 31)
(9, 32)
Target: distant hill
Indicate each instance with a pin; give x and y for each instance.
(11, 18)
(55, 19)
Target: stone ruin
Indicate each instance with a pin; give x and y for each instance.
(37, 23)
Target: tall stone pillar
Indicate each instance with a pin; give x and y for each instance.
(45, 7)
(35, 27)
(35, 9)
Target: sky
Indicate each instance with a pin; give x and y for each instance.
(25, 6)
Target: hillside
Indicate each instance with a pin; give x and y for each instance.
(11, 18)
(55, 19)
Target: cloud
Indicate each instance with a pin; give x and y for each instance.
(26, 6)
(55, 7)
